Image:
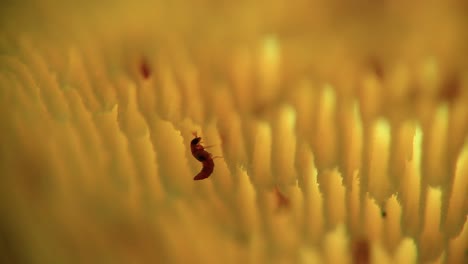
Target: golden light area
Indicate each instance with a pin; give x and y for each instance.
(336, 131)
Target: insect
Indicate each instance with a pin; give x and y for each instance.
(203, 156)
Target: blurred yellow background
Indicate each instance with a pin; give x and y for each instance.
(342, 126)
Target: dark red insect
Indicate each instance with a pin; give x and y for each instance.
(203, 156)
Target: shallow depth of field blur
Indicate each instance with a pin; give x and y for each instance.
(342, 127)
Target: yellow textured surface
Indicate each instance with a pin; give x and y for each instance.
(340, 130)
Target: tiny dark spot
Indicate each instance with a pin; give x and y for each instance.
(283, 201)
(383, 214)
(145, 69)
(450, 88)
(377, 67)
(361, 251)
